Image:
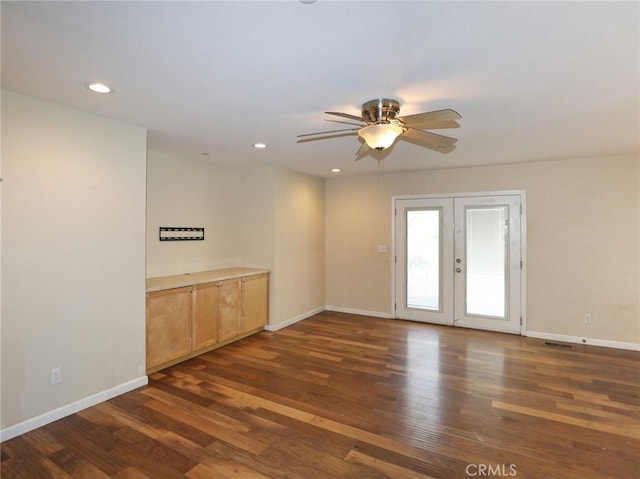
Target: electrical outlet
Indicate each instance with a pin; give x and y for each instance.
(56, 375)
(587, 318)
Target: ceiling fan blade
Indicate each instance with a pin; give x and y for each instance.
(430, 117)
(433, 125)
(326, 137)
(346, 115)
(362, 151)
(328, 132)
(343, 122)
(433, 141)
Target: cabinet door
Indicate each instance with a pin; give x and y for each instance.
(205, 315)
(168, 325)
(228, 309)
(255, 301)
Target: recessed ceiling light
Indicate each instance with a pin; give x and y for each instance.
(98, 87)
(335, 170)
(260, 145)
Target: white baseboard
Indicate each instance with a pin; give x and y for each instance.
(375, 314)
(48, 417)
(289, 322)
(578, 340)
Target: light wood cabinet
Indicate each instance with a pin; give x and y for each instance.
(205, 315)
(168, 325)
(219, 307)
(255, 301)
(229, 309)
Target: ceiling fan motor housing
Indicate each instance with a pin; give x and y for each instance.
(380, 110)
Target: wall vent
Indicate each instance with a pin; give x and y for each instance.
(552, 344)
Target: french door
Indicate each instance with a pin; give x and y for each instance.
(458, 261)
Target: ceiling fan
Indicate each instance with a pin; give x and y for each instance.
(382, 126)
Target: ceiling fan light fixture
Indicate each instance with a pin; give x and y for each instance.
(380, 136)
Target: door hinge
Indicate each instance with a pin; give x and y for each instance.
(520, 264)
(520, 320)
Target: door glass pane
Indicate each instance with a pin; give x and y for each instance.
(486, 231)
(423, 258)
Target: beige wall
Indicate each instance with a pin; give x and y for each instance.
(299, 252)
(582, 239)
(255, 236)
(262, 216)
(73, 206)
(185, 192)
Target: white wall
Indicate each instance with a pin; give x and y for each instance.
(582, 234)
(73, 206)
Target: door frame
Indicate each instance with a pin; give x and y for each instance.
(523, 241)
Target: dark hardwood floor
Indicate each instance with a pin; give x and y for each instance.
(346, 396)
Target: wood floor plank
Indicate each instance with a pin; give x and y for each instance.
(228, 435)
(224, 469)
(88, 441)
(131, 473)
(387, 468)
(348, 396)
(213, 418)
(134, 406)
(43, 442)
(76, 466)
(628, 430)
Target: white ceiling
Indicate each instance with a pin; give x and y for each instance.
(532, 80)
